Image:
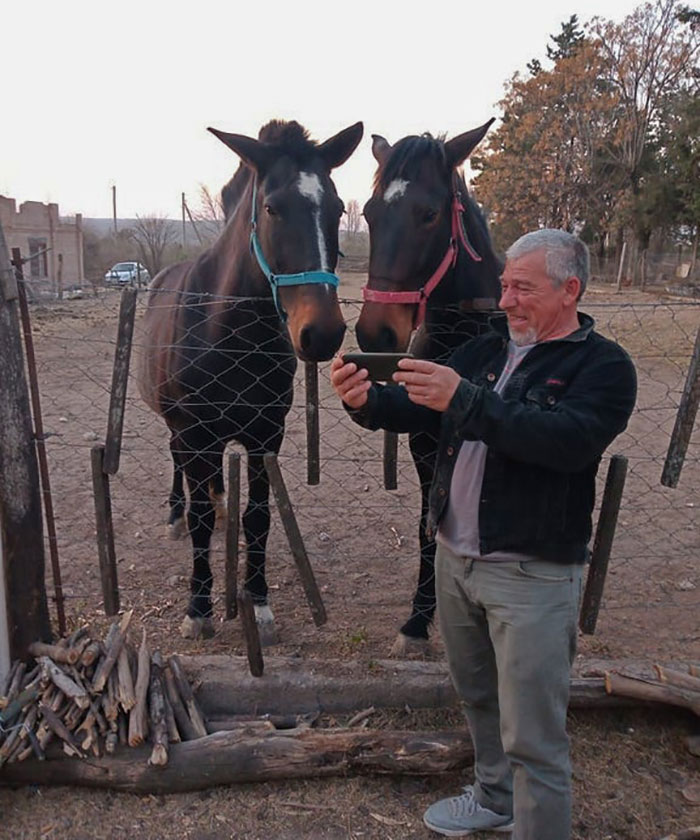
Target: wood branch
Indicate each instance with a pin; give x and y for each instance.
(671, 676)
(29, 695)
(57, 726)
(62, 681)
(90, 654)
(231, 757)
(79, 635)
(30, 676)
(7, 682)
(184, 724)
(112, 654)
(138, 721)
(127, 699)
(173, 734)
(17, 678)
(652, 691)
(158, 724)
(64, 655)
(185, 691)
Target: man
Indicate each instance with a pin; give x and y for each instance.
(524, 414)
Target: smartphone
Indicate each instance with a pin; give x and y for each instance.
(379, 365)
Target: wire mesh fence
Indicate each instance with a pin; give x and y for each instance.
(362, 540)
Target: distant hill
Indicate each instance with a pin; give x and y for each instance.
(105, 227)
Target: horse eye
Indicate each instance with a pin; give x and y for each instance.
(429, 216)
(270, 210)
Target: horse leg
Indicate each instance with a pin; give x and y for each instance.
(176, 501)
(413, 636)
(256, 526)
(217, 494)
(200, 467)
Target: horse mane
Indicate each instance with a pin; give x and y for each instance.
(286, 138)
(406, 157)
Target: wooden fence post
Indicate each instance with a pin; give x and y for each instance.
(296, 543)
(391, 453)
(105, 533)
(232, 532)
(685, 420)
(120, 379)
(621, 266)
(250, 631)
(21, 526)
(313, 470)
(602, 545)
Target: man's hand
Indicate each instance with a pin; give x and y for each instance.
(350, 384)
(428, 384)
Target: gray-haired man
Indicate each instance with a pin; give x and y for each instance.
(524, 414)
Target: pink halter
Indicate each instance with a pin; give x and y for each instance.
(420, 296)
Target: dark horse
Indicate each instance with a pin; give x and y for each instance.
(432, 267)
(222, 333)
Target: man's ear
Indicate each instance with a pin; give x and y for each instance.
(572, 286)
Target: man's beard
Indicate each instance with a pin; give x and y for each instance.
(523, 337)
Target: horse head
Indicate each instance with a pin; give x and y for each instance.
(294, 214)
(416, 225)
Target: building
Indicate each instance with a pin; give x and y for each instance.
(53, 246)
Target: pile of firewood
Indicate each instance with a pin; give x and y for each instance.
(93, 695)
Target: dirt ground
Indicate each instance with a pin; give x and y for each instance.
(630, 767)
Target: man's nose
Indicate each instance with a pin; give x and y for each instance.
(507, 299)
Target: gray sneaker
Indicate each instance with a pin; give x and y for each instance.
(462, 815)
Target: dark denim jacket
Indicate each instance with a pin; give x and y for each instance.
(561, 408)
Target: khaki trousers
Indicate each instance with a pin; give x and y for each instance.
(510, 634)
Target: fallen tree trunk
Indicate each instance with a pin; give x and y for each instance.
(232, 757)
(295, 686)
(657, 692)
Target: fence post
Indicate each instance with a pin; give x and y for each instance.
(602, 545)
(120, 380)
(621, 265)
(105, 533)
(38, 427)
(313, 468)
(685, 420)
(391, 454)
(250, 631)
(21, 526)
(232, 531)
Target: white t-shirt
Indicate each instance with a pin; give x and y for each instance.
(459, 528)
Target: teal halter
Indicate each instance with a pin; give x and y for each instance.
(277, 280)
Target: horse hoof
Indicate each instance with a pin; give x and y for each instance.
(267, 630)
(197, 628)
(407, 647)
(177, 529)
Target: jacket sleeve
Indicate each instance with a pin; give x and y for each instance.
(388, 407)
(565, 436)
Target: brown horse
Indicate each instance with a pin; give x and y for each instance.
(432, 267)
(222, 335)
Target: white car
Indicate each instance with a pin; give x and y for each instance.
(127, 274)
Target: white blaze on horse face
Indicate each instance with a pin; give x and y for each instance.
(395, 190)
(309, 186)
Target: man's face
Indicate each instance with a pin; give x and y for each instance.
(535, 308)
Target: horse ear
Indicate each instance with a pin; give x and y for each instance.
(459, 148)
(337, 149)
(380, 149)
(252, 152)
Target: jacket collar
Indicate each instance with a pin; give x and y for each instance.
(499, 323)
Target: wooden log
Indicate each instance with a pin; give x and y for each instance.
(15, 708)
(54, 722)
(256, 663)
(7, 682)
(602, 544)
(127, 698)
(16, 683)
(686, 834)
(63, 682)
(90, 654)
(231, 757)
(390, 460)
(120, 379)
(671, 676)
(185, 691)
(685, 421)
(116, 644)
(62, 655)
(123, 729)
(296, 543)
(277, 722)
(652, 691)
(138, 719)
(157, 722)
(184, 724)
(232, 532)
(313, 456)
(105, 531)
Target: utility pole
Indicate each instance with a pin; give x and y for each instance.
(184, 230)
(114, 207)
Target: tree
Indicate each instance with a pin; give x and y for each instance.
(209, 216)
(353, 220)
(152, 235)
(567, 42)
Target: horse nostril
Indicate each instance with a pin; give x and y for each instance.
(319, 345)
(306, 339)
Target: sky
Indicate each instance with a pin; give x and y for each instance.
(97, 94)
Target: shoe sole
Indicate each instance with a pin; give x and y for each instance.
(506, 828)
